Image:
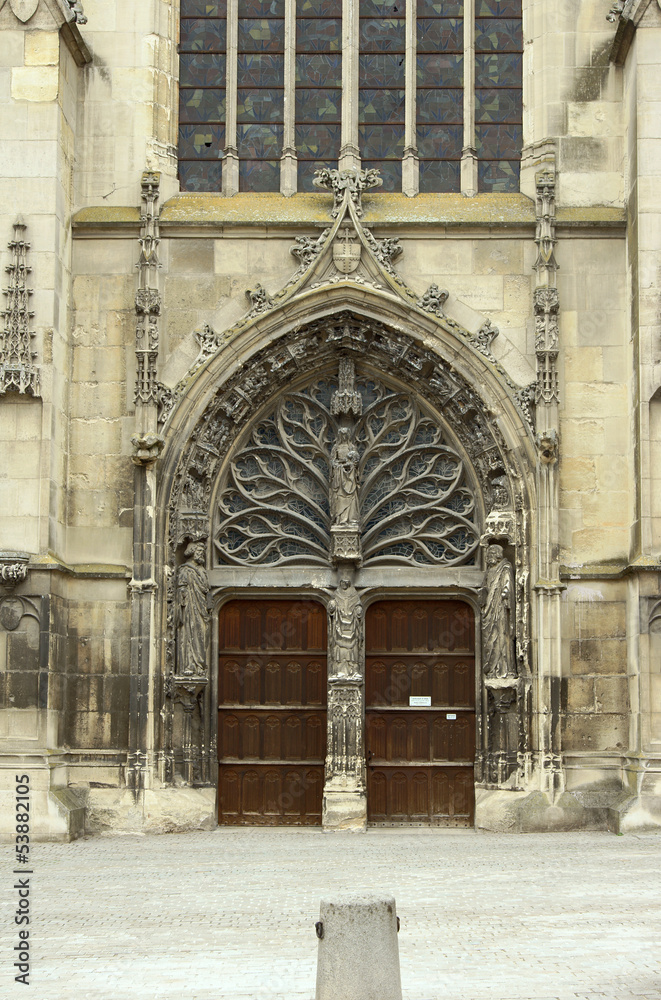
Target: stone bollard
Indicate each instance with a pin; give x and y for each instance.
(358, 957)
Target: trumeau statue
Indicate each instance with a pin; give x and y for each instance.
(346, 633)
(344, 479)
(192, 613)
(498, 626)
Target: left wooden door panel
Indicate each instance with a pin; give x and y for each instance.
(271, 712)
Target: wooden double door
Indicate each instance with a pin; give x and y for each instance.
(271, 712)
(420, 712)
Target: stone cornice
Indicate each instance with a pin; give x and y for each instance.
(445, 213)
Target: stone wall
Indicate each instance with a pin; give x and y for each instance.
(89, 107)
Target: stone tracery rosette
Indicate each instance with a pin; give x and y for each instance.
(415, 503)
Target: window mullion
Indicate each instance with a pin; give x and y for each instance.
(288, 163)
(469, 151)
(349, 151)
(410, 162)
(231, 161)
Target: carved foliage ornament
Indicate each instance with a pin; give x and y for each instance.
(13, 568)
(433, 300)
(18, 372)
(343, 182)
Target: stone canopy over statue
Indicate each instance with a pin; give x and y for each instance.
(498, 618)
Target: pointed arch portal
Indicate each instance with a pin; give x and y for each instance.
(345, 464)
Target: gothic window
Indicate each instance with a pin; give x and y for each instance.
(428, 91)
(414, 502)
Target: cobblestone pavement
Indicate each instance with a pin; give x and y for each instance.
(230, 914)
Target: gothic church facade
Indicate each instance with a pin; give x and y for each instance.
(330, 413)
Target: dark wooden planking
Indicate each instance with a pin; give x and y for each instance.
(271, 712)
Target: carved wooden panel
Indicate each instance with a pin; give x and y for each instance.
(271, 712)
(420, 758)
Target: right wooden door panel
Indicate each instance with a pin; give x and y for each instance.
(420, 712)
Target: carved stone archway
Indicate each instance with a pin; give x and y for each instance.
(209, 478)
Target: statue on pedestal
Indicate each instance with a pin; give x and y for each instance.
(346, 629)
(192, 613)
(498, 616)
(344, 478)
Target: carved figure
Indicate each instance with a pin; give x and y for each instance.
(498, 601)
(615, 11)
(79, 13)
(192, 613)
(146, 448)
(344, 479)
(346, 616)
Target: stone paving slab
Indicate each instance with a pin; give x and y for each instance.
(229, 914)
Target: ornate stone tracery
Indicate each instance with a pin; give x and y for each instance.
(361, 463)
(148, 297)
(18, 371)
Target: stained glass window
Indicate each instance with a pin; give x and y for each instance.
(260, 93)
(381, 84)
(439, 93)
(318, 101)
(202, 94)
(288, 90)
(498, 93)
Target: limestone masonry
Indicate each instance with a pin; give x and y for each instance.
(330, 486)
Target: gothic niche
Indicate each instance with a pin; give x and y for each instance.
(503, 689)
(346, 469)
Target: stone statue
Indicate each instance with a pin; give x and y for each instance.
(192, 612)
(498, 601)
(346, 616)
(344, 479)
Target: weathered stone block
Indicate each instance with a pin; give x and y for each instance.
(193, 256)
(577, 474)
(579, 694)
(598, 656)
(12, 47)
(595, 732)
(612, 694)
(34, 83)
(600, 619)
(42, 48)
(497, 257)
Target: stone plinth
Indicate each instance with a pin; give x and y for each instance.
(358, 956)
